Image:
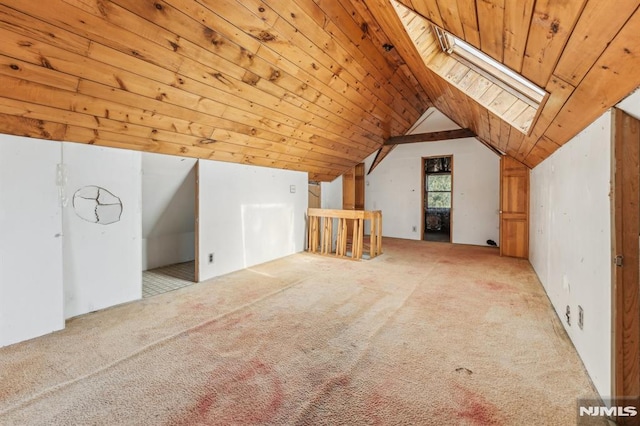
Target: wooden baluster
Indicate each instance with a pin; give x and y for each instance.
(329, 240)
(343, 237)
(316, 234)
(379, 219)
(372, 238)
(360, 237)
(310, 233)
(339, 237)
(326, 235)
(354, 239)
(322, 234)
(311, 230)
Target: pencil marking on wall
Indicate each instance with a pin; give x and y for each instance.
(97, 205)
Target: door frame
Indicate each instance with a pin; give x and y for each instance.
(196, 239)
(423, 214)
(625, 229)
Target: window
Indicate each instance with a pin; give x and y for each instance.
(438, 201)
(438, 182)
(489, 67)
(503, 92)
(439, 191)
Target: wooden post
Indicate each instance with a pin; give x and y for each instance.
(372, 238)
(327, 235)
(379, 236)
(626, 255)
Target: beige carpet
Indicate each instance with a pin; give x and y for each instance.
(426, 334)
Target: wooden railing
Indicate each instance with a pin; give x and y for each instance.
(320, 232)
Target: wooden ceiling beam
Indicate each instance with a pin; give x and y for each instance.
(431, 137)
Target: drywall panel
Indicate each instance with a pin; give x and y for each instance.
(331, 194)
(395, 187)
(168, 209)
(570, 241)
(31, 291)
(432, 121)
(331, 198)
(102, 228)
(248, 215)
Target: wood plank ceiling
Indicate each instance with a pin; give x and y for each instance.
(310, 85)
(584, 53)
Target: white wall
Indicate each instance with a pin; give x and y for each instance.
(331, 194)
(31, 290)
(168, 209)
(395, 187)
(248, 215)
(102, 263)
(570, 241)
(331, 198)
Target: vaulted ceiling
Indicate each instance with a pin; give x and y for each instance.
(310, 85)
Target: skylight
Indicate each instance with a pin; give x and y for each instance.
(478, 80)
(488, 66)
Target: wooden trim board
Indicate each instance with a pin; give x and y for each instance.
(625, 232)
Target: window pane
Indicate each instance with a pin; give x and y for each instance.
(438, 182)
(437, 165)
(439, 199)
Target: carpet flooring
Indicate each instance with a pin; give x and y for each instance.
(426, 334)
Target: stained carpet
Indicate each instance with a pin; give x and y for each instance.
(426, 334)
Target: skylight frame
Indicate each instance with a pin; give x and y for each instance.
(490, 68)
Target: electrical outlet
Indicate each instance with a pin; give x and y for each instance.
(580, 317)
(211, 258)
(568, 315)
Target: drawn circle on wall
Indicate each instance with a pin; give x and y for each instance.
(97, 205)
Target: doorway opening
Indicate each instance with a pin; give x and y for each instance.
(437, 193)
(169, 217)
